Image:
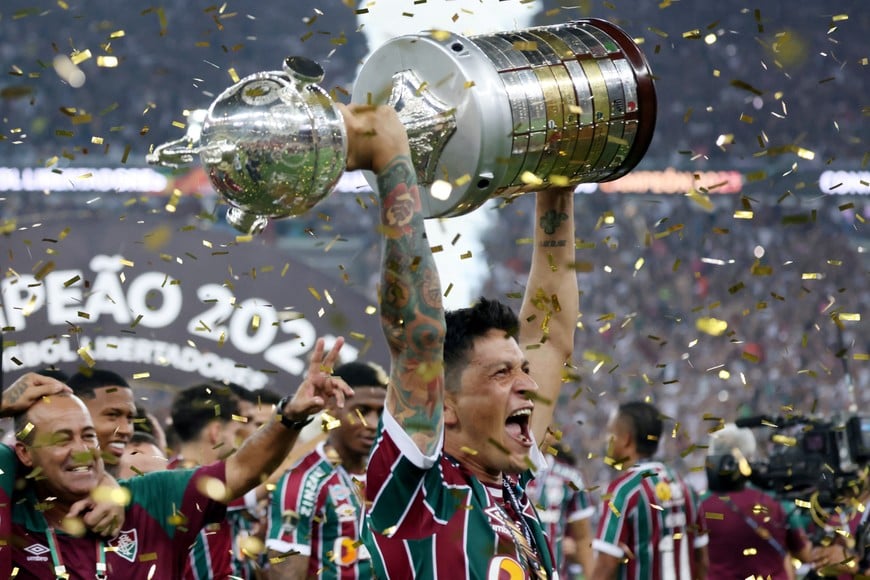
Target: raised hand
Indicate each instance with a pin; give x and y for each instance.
(375, 136)
(27, 390)
(103, 511)
(319, 384)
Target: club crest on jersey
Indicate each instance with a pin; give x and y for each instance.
(126, 545)
(339, 493)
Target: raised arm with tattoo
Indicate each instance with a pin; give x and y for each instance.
(411, 310)
(548, 316)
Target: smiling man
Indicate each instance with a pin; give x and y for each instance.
(110, 402)
(470, 391)
(165, 510)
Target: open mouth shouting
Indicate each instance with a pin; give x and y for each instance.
(517, 426)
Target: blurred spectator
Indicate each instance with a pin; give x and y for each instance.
(203, 418)
(142, 455)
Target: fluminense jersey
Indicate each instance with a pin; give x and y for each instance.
(750, 535)
(431, 518)
(316, 510)
(8, 470)
(558, 493)
(166, 511)
(655, 514)
(242, 517)
(210, 556)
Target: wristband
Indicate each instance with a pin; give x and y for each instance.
(296, 425)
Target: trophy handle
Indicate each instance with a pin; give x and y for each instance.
(182, 151)
(428, 121)
(174, 154)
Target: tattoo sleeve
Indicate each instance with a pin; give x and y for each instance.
(11, 396)
(412, 313)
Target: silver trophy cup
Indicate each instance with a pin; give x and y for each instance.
(491, 115)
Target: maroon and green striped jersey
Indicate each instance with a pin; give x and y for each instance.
(210, 556)
(559, 495)
(243, 516)
(316, 510)
(8, 473)
(431, 518)
(166, 512)
(652, 511)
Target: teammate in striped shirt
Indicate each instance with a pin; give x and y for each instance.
(317, 507)
(649, 527)
(564, 506)
(202, 417)
(446, 478)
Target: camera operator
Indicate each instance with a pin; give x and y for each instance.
(843, 546)
(749, 531)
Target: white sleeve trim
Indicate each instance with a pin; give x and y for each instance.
(252, 504)
(701, 541)
(288, 547)
(581, 514)
(539, 461)
(407, 446)
(607, 548)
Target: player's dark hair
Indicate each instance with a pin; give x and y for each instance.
(139, 437)
(54, 373)
(465, 325)
(264, 395)
(645, 423)
(86, 381)
(197, 406)
(362, 374)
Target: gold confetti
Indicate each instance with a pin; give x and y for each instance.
(111, 495)
(212, 487)
(80, 57)
(440, 35)
(107, 61)
(711, 326)
(85, 356)
(746, 87)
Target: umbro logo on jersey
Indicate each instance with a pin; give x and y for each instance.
(36, 549)
(37, 553)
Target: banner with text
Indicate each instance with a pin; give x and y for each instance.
(171, 303)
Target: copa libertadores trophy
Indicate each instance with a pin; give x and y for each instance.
(491, 115)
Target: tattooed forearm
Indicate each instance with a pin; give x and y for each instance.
(11, 396)
(411, 309)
